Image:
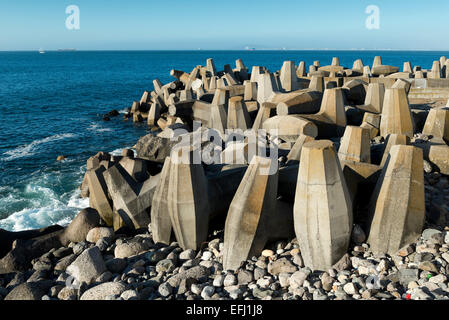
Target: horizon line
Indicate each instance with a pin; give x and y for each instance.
(249, 50)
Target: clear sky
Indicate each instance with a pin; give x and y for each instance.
(228, 24)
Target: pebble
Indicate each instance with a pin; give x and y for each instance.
(165, 289)
(350, 288)
(267, 253)
(207, 292)
(229, 280)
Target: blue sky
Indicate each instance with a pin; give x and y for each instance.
(230, 24)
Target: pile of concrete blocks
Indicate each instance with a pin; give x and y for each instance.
(305, 152)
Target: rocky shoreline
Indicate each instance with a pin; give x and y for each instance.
(113, 267)
(345, 198)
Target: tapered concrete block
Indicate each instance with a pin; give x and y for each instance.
(374, 98)
(210, 66)
(295, 152)
(437, 123)
(396, 115)
(407, 67)
(221, 97)
(371, 121)
(367, 72)
(251, 210)
(202, 112)
(355, 91)
(256, 72)
(436, 71)
(439, 156)
(266, 86)
(398, 206)
(393, 140)
(266, 111)
(154, 114)
(402, 84)
(358, 66)
(132, 200)
(187, 204)
(384, 70)
(290, 127)
(317, 84)
(301, 70)
(161, 226)
(355, 145)
(377, 61)
(322, 209)
(331, 120)
(238, 116)
(180, 75)
(242, 70)
(298, 102)
(250, 90)
(99, 194)
(218, 118)
(288, 78)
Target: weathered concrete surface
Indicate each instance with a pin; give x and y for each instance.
(132, 199)
(187, 204)
(288, 78)
(246, 228)
(290, 127)
(393, 140)
(266, 111)
(396, 115)
(398, 207)
(238, 116)
(161, 226)
(99, 194)
(323, 209)
(374, 98)
(298, 102)
(331, 120)
(355, 145)
(439, 156)
(295, 152)
(437, 123)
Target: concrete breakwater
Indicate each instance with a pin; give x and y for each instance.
(289, 184)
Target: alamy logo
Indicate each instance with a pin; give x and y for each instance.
(73, 20)
(373, 20)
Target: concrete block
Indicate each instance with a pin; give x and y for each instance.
(288, 78)
(396, 115)
(398, 206)
(322, 209)
(250, 213)
(161, 226)
(355, 145)
(437, 123)
(290, 127)
(188, 207)
(298, 102)
(393, 140)
(238, 116)
(374, 98)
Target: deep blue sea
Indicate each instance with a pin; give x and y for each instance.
(51, 104)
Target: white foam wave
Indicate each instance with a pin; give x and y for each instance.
(44, 208)
(97, 128)
(30, 149)
(118, 152)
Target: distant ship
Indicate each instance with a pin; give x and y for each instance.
(41, 51)
(65, 50)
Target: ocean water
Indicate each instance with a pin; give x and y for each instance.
(51, 104)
